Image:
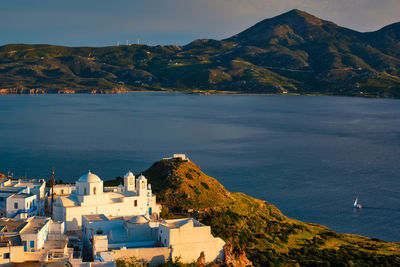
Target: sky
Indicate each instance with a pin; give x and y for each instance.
(105, 22)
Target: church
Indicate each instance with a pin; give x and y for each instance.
(89, 197)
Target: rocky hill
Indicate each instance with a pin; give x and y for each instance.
(256, 230)
(292, 53)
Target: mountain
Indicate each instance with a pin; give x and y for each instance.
(295, 52)
(256, 230)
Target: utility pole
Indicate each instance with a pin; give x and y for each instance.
(52, 191)
(91, 230)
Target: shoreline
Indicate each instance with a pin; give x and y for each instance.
(39, 91)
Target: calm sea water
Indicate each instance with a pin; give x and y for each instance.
(310, 156)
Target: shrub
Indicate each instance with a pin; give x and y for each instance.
(205, 185)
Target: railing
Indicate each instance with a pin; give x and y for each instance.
(25, 211)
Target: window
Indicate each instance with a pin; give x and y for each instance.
(32, 244)
(135, 203)
(15, 205)
(6, 255)
(84, 191)
(94, 191)
(1, 198)
(143, 185)
(62, 191)
(99, 232)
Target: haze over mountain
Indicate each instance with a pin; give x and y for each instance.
(292, 53)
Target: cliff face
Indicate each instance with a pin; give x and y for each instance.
(255, 229)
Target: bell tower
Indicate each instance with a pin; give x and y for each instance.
(129, 182)
(141, 185)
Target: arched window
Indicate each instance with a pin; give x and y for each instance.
(84, 191)
(94, 191)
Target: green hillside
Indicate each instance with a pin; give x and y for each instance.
(292, 53)
(257, 228)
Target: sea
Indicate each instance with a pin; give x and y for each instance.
(310, 156)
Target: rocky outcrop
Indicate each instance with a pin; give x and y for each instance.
(235, 257)
(201, 261)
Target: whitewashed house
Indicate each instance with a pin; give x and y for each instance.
(19, 198)
(17, 202)
(112, 238)
(89, 198)
(33, 239)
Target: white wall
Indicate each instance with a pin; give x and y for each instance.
(73, 215)
(63, 189)
(152, 255)
(38, 238)
(23, 204)
(188, 241)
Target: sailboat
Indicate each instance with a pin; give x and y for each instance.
(356, 205)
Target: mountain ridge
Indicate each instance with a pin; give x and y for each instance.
(293, 53)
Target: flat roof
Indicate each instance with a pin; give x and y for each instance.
(11, 189)
(12, 226)
(95, 217)
(23, 195)
(176, 223)
(35, 224)
(15, 240)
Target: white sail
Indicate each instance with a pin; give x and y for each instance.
(355, 202)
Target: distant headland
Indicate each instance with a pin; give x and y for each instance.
(293, 53)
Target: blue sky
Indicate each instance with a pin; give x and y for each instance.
(104, 22)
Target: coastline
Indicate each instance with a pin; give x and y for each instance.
(42, 91)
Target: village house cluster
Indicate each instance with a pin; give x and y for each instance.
(85, 221)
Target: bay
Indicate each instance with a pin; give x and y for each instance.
(308, 155)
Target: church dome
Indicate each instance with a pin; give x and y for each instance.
(129, 174)
(89, 178)
(140, 219)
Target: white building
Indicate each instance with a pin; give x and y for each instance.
(90, 198)
(17, 202)
(151, 240)
(33, 239)
(179, 156)
(36, 186)
(62, 189)
(16, 197)
(21, 206)
(188, 238)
